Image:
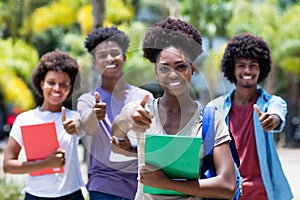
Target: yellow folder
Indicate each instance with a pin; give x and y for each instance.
(176, 155)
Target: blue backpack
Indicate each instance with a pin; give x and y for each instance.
(208, 136)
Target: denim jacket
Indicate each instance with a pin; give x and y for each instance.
(275, 182)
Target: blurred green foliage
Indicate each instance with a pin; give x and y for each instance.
(118, 12)
(287, 52)
(137, 70)
(280, 28)
(10, 191)
(55, 14)
(18, 56)
(17, 60)
(30, 28)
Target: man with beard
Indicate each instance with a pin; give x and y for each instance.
(252, 116)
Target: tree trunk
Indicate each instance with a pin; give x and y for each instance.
(195, 14)
(271, 80)
(98, 13)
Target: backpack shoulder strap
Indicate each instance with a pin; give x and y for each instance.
(208, 139)
(233, 150)
(208, 127)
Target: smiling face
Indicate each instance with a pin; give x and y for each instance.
(109, 59)
(246, 72)
(56, 87)
(173, 70)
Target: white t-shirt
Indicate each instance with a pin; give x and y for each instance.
(193, 128)
(53, 185)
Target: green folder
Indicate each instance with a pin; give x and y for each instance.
(176, 155)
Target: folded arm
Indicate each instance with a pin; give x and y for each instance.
(220, 186)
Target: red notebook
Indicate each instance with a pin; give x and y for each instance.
(40, 141)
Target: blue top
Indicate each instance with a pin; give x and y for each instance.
(275, 182)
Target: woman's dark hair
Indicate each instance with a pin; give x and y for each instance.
(102, 34)
(172, 32)
(55, 61)
(246, 46)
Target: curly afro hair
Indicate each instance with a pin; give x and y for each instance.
(55, 61)
(102, 34)
(172, 32)
(246, 46)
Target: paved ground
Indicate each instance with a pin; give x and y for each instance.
(290, 158)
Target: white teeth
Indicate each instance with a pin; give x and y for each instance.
(110, 66)
(247, 77)
(55, 95)
(174, 83)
